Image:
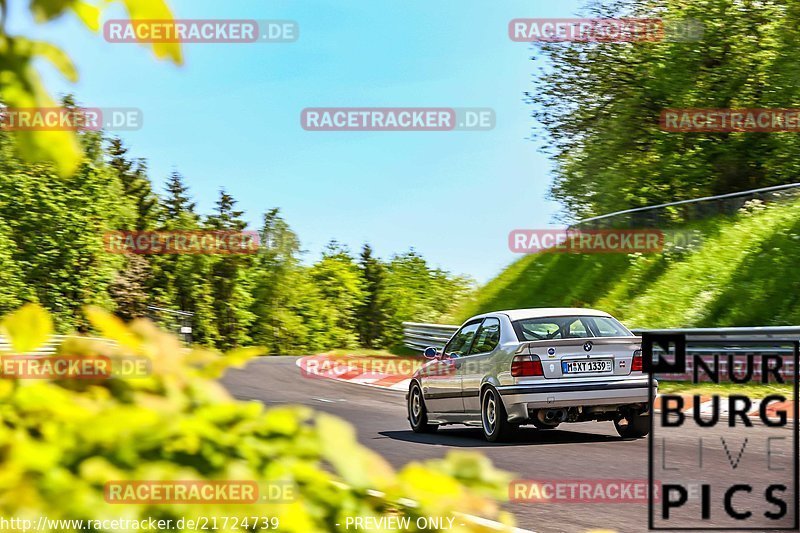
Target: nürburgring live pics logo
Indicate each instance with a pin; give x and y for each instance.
(724, 462)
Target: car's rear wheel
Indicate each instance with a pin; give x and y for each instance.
(417, 412)
(494, 419)
(633, 425)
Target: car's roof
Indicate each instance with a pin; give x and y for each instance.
(542, 312)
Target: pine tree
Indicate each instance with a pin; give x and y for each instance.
(226, 217)
(177, 202)
(372, 314)
(135, 183)
(230, 278)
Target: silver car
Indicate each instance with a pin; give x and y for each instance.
(533, 366)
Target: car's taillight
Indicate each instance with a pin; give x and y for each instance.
(636, 365)
(526, 365)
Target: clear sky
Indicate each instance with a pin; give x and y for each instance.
(230, 117)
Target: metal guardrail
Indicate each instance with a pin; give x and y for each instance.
(48, 348)
(753, 339)
(688, 210)
(420, 336)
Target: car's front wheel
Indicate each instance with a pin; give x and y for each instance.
(417, 413)
(494, 419)
(633, 425)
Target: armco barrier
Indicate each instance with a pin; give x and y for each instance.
(420, 336)
(48, 348)
(740, 340)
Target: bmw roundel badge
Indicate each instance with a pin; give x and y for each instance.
(587, 346)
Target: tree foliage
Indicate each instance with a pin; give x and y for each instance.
(599, 104)
(179, 423)
(21, 86)
(52, 252)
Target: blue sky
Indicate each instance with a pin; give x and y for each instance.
(231, 117)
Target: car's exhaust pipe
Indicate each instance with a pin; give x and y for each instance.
(552, 416)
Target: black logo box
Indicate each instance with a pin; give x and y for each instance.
(679, 341)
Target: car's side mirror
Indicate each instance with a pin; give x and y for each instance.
(430, 352)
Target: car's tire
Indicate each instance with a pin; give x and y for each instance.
(633, 425)
(494, 419)
(417, 412)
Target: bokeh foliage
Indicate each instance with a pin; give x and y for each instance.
(61, 441)
(21, 85)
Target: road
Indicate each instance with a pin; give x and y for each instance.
(584, 451)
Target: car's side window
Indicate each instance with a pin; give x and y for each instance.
(488, 336)
(607, 327)
(461, 341)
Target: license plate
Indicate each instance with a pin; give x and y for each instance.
(590, 366)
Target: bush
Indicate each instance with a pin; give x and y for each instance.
(62, 441)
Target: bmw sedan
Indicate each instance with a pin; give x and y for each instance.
(542, 367)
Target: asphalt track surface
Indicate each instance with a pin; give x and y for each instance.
(589, 450)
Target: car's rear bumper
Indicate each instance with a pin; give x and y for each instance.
(520, 399)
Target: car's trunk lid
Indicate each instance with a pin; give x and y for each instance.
(584, 357)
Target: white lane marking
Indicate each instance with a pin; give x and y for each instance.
(491, 524)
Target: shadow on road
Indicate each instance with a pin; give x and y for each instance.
(473, 437)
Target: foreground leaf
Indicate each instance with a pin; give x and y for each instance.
(28, 328)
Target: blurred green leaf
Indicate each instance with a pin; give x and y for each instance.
(113, 328)
(155, 10)
(28, 328)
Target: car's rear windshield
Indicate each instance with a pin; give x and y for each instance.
(569, 327)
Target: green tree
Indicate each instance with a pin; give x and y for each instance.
(57, 227)
(338, 279)
(135, 183)
(372, 313)
(419, 293)
(183, 282)
(21, 86)
(230, 279)
(12, 288)
(278, 293)
(599, 105)
(178, 205)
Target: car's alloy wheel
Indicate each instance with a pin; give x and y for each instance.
(417, 413)
(633, 425)
(493, 417)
